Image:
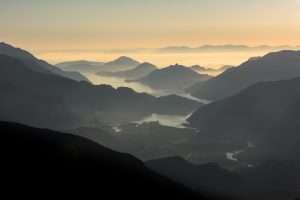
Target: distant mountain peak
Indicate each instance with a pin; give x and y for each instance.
(120, 64)
(146, 65)
(125, 59)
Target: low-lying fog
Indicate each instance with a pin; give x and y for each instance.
(119, 82)
(177, 121)
(138, 87)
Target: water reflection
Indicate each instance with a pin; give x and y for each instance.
(189, 96)
(177, 121)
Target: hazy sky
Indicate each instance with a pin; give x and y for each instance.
(106, 24)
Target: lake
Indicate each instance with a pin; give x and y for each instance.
(176, 121)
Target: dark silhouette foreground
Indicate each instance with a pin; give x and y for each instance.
(48, 162)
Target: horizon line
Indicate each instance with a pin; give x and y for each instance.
(200, 47)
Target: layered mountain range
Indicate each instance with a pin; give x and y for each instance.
(55, 101)
(252, 123)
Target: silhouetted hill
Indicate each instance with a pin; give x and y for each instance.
(53, 162)
(271, 67)
(266, 114)
(81, 66)
(46, 100)
(136, 73)
(173, 78)
(120, 64)
(36, 64)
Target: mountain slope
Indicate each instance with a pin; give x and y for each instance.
(173, 78)
(266, 114)
(55, 162)
(271, 67)
(36, 64)
(136, 73)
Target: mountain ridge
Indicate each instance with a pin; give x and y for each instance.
(37, 64)
(271, 67)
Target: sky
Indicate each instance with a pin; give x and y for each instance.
(67, 29)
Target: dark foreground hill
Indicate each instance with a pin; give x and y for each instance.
(48, 162)
(210, 177)
(270, 180)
